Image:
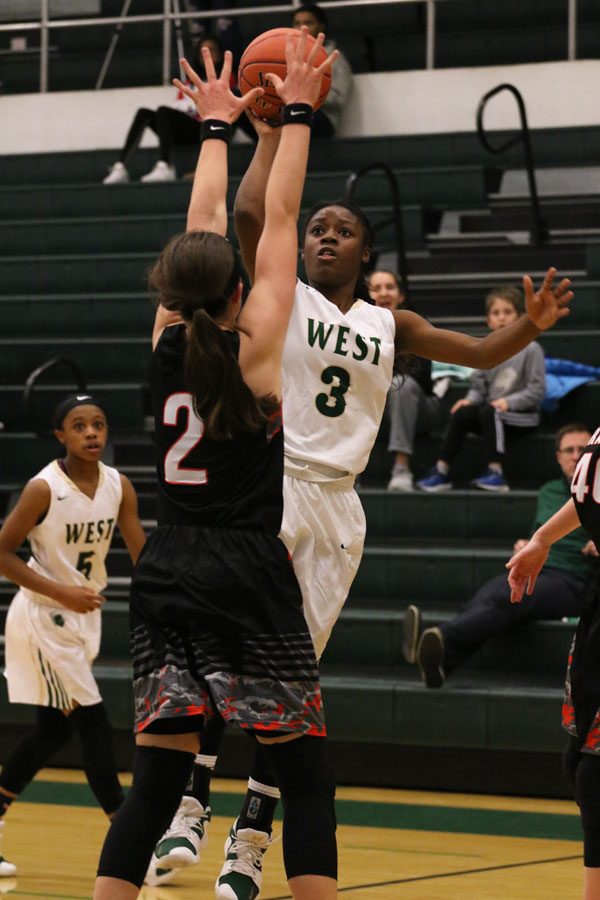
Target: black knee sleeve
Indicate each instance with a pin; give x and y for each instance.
(51, 731)
(305, 778)
(587, 793)
(95, 734)
(159, 780)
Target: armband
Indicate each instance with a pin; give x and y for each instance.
(297, 114)
(216, 129)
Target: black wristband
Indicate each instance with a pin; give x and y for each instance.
(297, 114)
(216, 129)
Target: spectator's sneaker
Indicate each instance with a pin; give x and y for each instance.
(412, 628)
(156, 875)
(430, 657)
(162, 171)
(187, 835)
(401, 481)
(435, 482)
(491, 481)
(241, 875)
(117, 174)
(7, 869)
(7, 885)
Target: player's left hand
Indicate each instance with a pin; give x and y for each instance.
(303, 79)
(549, 303)
(214, 98)
(524, 568)
(501, 404)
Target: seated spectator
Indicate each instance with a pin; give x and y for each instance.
(559, 590)
(326, 119)
(411, 405)
(502, 403)
(175, 124)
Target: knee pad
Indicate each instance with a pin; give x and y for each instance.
(159, 780)
(306, 781)
(587, 792)
(95, 733)
(51, 731)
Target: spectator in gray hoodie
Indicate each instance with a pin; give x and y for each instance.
(502, 403)
(326, 119)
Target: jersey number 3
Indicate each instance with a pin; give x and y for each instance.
(175, 473)
(339, 380)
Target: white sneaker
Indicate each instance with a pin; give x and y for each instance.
(7, 869)
(117, 174)
(187, 835)
(241, 875)
(401, 481)
(156, 875)
(162, 171)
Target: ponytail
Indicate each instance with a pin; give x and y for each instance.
(196, 275)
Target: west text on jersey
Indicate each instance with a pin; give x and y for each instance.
(89, 532)
(342, 341)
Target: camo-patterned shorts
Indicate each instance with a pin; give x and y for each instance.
(217, 626)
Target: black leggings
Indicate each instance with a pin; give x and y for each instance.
(582, 771)
(480, 418)
(170, 125)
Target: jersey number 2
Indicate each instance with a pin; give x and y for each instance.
(175, 473)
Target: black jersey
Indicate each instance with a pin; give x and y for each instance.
(585, 488)
(233, 483)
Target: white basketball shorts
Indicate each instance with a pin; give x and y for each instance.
(49, 654)
(323, 529)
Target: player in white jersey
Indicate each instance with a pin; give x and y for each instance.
(68, 512)
(337, 370)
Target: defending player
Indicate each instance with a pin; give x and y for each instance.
(581, 707)
(217, 622)
(68, 512)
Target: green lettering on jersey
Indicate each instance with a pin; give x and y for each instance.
(377, 342)
(74, 532)
(340, 344)
(317, 332)
(362, 347)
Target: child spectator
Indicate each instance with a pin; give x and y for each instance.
(412, 407)
(501, 404)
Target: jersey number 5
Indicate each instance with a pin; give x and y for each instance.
(339, 380)
(175, 473)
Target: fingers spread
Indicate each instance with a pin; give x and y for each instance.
(315, 49)
(209, 66)
(183, 88)
(226, 70)
(191, 74)
(328, 63)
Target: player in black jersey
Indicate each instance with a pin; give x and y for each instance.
(216, 611)
(581, 706)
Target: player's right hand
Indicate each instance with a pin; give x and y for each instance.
(79, 599)
(303, 79)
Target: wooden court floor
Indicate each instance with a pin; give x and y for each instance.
(394, 845)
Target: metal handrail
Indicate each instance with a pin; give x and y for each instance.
(539, 231)
(33, 380)
(396, 217)
(168, 16)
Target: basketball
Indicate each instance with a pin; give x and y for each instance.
(266, 54)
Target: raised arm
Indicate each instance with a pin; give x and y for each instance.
(218, 108)
(543, 308)
(265, 316)
(249, 207)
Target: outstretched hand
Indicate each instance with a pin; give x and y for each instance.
(549, 303)
(213, 98)
(303, 79)
(524, 568)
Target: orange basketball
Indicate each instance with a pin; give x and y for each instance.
(266, 54)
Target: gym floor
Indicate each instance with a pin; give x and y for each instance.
(394, 845)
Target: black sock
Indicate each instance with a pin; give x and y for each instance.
(199, 783)
(262, 796)
(5, 802)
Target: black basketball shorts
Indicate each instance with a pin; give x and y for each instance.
(217, 625)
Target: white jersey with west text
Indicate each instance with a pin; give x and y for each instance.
(70, 544)
(337, 370)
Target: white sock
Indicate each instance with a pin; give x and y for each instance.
(442, 467)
